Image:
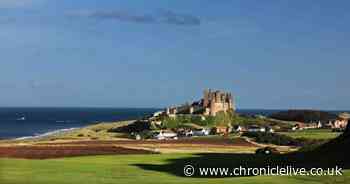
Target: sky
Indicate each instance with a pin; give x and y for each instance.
(273, 54)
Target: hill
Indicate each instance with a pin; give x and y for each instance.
(306, 116)
(337, 149)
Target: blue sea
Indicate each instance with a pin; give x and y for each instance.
(29, 122)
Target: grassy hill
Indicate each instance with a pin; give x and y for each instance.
(318, 134)
(335, 152)
(304, 116)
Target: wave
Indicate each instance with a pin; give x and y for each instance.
(35, 136)
(65, 121)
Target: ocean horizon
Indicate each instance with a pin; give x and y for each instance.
(26, 122)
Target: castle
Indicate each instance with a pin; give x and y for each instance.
(211, 103)
(216, 101)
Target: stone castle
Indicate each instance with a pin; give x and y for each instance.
(216, 101)
(211, 103)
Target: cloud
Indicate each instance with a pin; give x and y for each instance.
(164, 17)
(122, 16)
(180, 19)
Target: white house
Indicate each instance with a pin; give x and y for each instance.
(269, 129)
(256, 129)
(238, 128)
(201, 132)
(162, 135)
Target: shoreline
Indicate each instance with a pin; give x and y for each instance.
(50, 133)
(60, 133)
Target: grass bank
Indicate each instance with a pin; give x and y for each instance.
(320, 134)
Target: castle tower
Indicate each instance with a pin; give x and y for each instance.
(216, 101)
(206, 97)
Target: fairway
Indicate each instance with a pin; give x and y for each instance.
(313, 134)
(125, 169)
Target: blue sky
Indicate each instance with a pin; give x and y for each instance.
(137, 53)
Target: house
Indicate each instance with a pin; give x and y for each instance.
(269, 129)
(256, 128)
(341, 122)
(304, 126)
(201, 132)
(238, 128)
(311, 126)
(165, 134)
(184, 132)
(295, 127)
(221, 130)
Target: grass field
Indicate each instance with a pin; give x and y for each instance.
(313, 134)
(128, 169)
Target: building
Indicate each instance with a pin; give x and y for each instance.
(256, 128)
(165, 134)
(171, 111)
(217, 101)
(221, 130)
(238, 128)
(201, 132)
(211, 103)
(299, 126)
(341, 122)
(305, 126)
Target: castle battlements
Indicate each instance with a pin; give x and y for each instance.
(216, 101)
(213, 101)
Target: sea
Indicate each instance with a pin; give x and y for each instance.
(22, 123)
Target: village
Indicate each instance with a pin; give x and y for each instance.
(192, 120)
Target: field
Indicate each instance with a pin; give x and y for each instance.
(59, 149)
(94, 156)
(130, 169)
(313, 134)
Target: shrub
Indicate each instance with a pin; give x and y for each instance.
(137, 126)
(272, 138)
(283, 140)
(310, 144)
(180, 120)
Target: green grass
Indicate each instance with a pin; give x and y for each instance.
(122, 169)
(313, 134)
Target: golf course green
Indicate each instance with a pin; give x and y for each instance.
(128, 169)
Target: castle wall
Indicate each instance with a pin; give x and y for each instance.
(217, 101)
(211, 103)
